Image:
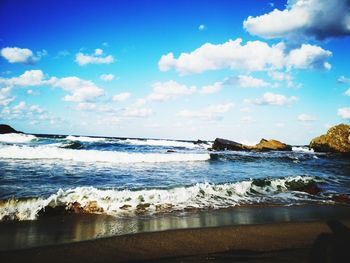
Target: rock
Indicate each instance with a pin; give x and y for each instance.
(271, 145)
(142, 207)
(200, 142)
(310, 188)
(222, 145)
(337, 140)
(263, 145)
(92, 207)
(341, 198)
(7, 129)
(170, 151)
(125, 207)
(76, 208)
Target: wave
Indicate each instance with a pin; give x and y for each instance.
(302, 149)
(126, 202)
(85, 139)
(166, 143)
(43, 152)
(17, 138)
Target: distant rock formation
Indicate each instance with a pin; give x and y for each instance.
(7, 129)
(262, 146)
(336, 140)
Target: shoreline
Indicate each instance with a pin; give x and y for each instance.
(179, 244)
(53, 233)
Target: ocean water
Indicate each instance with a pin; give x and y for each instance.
(136, 177)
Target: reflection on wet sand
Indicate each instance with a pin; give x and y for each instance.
(73, 228)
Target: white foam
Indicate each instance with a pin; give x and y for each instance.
(302, 149)
(84, 139)
(16, 138)
(167, 143)
(43, 152)
(121, 202)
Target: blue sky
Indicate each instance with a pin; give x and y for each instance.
(242, 70)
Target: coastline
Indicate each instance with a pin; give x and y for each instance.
(270, 230)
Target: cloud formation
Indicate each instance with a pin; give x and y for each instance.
(21, 55)
(162, 91)
(107, 77)
(303, 19)
(273, 99)
(121, 96)
(305, 118)
(252, 56)
(344, 113)
(96, 58)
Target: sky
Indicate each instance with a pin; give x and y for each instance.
(241, 70)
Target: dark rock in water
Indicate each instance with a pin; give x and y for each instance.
(52, 211)
(223, 144)
(170, 151)
(271, 145)
(7, 129)
(337, 140)
(142, 207)
(200, 142)
(310, 187)
(263, 145)
(125, 207)
(73, 145)
(341, 199)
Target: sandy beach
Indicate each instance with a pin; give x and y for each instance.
(263, 242)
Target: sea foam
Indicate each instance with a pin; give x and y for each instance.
(43, 152)
(126, 202)
(84, 138)
(16, 138)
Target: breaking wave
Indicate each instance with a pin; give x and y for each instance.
(126, 202)
(43, 152)
(16, 138)
(84, 138)
(166, 143)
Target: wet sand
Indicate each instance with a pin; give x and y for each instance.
(276, 240)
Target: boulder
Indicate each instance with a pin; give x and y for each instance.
(271, 145)
(263, 145)
(336, 140)
(7, 129)
(222, 145)
(341, 198)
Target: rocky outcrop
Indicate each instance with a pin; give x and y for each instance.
(264, 145)
(223, 144)
(7, 129)
(336, 140)
(271, 145)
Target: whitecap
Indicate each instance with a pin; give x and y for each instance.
(16, 138)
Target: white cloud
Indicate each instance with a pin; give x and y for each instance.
(202, 27)
(107, 77)
(18, 55)
(253, 56)
(121, 96)
(209, 89)
(138, 112)
(309, 56)
(80, 90)
(19, 107)
(303, 18)
(245, 81)
(344, 113)
(213, 112)
(5, 96)
(343, 80)
(347, 92)
(162, 91)
(273, 99)
(84, 59)
(305, 118)
(98, 52)
(86, 106)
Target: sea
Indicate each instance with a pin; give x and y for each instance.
(128, 177)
